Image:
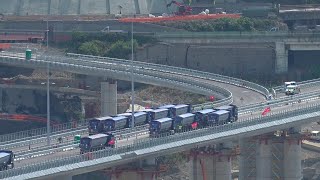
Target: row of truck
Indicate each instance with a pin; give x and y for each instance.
(165, 119)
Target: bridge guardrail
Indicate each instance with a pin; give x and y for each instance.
(35, 133)
(304, 84)
(59, 147)
(111, 68)
(143, 144)
(66, 134)
(144, 71)
(280, 102)
(195, 73)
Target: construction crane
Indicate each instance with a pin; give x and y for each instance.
(182, 9)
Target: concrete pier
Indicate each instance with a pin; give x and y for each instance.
(247, 160)
(211, 163)
(223, 166)
(109, 97)
(271, 156)
(281, 64)
(292, 159)
(264, 159)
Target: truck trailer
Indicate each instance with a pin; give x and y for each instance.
(6, 160)
(96, 142)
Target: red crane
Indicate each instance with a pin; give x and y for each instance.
(182, 10)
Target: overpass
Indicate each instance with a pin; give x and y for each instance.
(17, 60)
(145, 73)
(280, 42)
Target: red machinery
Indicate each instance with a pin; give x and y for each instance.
(182, 10)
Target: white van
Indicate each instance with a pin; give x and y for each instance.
(286, 84)
(292, 89)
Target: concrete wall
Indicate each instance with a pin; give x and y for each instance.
(229, 59)
(35, 7)
(84, 7)
(8, 7)
(93, 7)
(128, 7)
(11, 98)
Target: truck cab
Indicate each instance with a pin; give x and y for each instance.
(292, 90)
(286, 84)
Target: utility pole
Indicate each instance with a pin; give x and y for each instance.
(48, 92)
(132, 78)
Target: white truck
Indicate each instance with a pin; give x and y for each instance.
(292, 90)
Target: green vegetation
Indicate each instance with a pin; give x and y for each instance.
(114, 45)
(228, 24)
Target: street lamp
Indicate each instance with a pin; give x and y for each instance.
(132, 82)
(48, 92)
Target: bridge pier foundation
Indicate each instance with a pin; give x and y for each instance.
(109, 97)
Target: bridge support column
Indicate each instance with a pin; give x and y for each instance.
(281, 61)
(212, 163)
(292, 155)
(223, 165)
(109, 97)
(264, 159)
(247, 160)
(271, 156)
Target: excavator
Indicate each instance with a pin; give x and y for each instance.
(182, 9)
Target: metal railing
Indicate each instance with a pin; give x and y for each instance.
(121, 72)
(39, 132)
(73, 132)
(179, 71)
(147, 144)
(71, 144)
(303, 84)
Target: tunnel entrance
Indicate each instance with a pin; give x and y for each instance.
(303, 65)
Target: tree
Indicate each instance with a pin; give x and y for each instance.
(94, 47)
(121, 49)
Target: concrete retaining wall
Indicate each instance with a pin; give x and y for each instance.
(76, 7)
(229, 59)
(9, 7)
